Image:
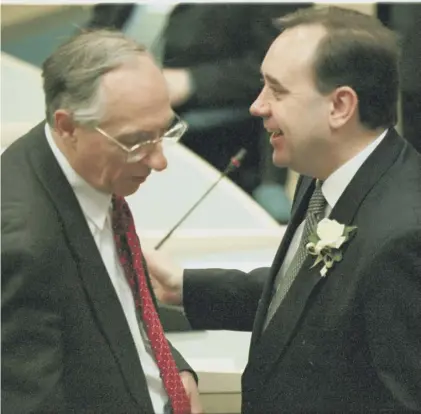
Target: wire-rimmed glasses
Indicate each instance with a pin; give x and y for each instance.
(139, 151)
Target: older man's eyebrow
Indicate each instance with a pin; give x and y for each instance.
(136, 137)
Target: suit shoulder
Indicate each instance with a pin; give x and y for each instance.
(29, 221)
(395, 261)
(27, 230)
(15, 164)
(16, 148)
(396, 198)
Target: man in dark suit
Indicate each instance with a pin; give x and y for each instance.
(335, 320)
(80, 331)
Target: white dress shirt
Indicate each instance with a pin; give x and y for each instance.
(332, 189)
(96, 207)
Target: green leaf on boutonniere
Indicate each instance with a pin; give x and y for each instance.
(337, 256)
(348, 230)
(317, 261)
(328, 233)
(313, 238)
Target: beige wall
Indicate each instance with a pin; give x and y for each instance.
(11, 14)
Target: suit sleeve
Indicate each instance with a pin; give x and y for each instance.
(393, 315)
(31, 340)
(237, 79)
(222, 299)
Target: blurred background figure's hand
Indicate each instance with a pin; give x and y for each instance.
(166, 277)
(179, 85)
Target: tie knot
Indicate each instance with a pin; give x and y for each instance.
(317, 202)
(120, 215)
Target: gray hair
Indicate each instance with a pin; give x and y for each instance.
(72, 74)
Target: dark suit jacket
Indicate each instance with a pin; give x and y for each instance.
(66, 345)
(347, 342)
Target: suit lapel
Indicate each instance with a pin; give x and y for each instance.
(92, 272)
(303, 194)
(286, 321)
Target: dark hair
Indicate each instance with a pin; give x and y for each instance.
(359, 52)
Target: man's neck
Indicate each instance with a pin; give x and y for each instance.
(345, 147)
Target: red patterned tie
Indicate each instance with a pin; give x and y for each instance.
(131, 260)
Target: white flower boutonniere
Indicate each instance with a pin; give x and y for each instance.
(325, 243)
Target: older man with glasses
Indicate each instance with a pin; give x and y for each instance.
(80, 330)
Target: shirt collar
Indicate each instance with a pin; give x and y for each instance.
(95, 204)
(336, 183)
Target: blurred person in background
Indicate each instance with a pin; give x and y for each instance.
(211, 54)
(405, 19)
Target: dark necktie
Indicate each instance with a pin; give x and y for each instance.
(130, 255)
(315, 212)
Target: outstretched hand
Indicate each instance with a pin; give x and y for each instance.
(179, 85)
(192, 391)
(166, 277)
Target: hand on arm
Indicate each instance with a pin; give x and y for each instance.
(212, 298)
(192, 390)
(179, 85)
(166, 277)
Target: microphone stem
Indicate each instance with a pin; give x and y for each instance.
(189, 212)
(234, 164)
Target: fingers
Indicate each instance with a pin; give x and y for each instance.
(192, 391)
(166, 277)
(196, 406)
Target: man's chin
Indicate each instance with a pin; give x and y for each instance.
(130, 188)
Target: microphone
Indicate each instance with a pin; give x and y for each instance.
(234, 163)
